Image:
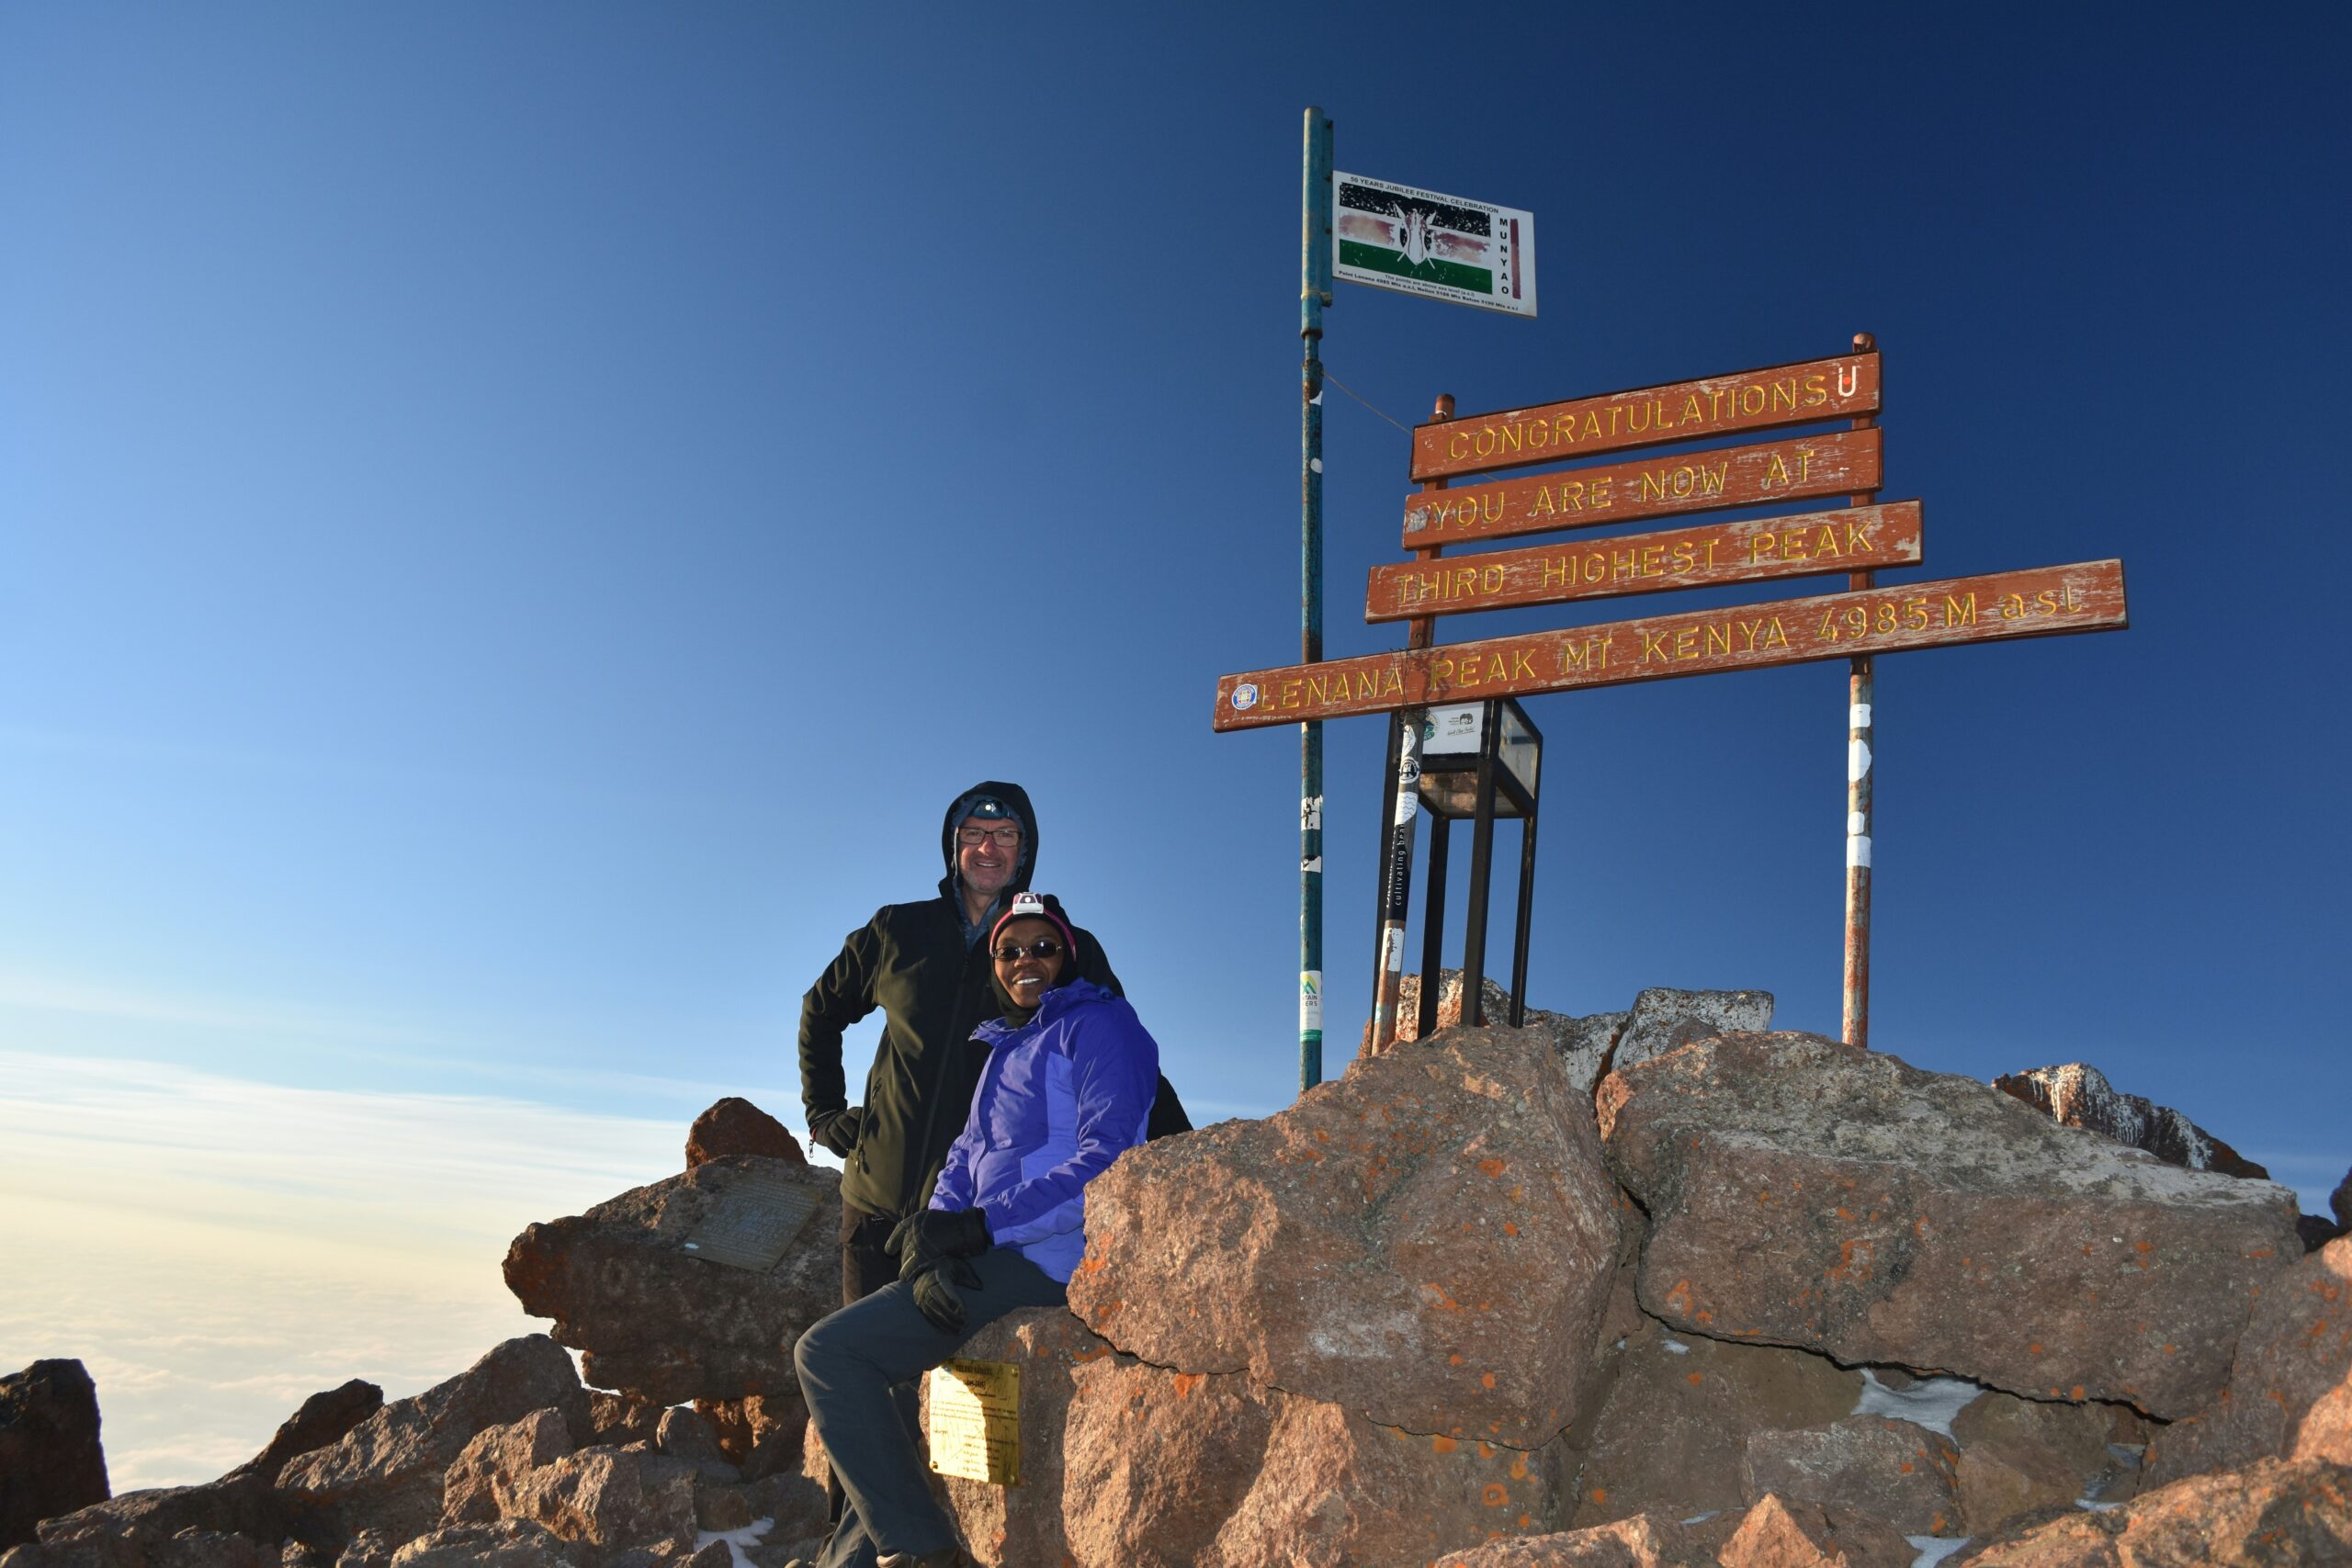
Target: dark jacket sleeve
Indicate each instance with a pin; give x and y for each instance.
(842, 994)
(1094, 964)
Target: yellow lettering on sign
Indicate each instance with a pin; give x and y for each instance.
(1776, 472)
(1960, 612)
(1817, 390)
(1589, 655)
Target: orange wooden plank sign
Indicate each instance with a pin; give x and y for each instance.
(1806, 468)
(1858, 538)
(2040, 602)
(1841, 388)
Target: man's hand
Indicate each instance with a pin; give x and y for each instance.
(839, 1130)
(936, 1296)
(930, 1236)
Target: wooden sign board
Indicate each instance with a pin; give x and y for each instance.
(1858, 538)
(1842, 388)
(1841, 463)
(2040, 602)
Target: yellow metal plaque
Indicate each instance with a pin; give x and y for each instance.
(976, 1421)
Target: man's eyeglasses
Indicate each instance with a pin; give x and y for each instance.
(1044, 947)
(1002, 838)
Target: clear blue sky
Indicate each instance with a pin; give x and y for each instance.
(514, 521)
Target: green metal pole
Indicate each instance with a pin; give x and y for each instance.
(1313, 293)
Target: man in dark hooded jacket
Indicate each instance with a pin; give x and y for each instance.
(924, 964)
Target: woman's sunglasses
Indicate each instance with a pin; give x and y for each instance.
(1044, 947)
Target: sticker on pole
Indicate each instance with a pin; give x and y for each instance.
(1441, 247)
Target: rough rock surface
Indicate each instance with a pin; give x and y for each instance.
(656, 1320)
(736, 1126)
(1584, 1043)
(503, 1544)
(2079, 1095)
(1777, 1533)
(1891, 1469)
(613, 1499)
(51, 1462)
(759, 1433)
(1803, 1193)
(1132, 1465)
(2339, 1203)
(1430, 1240)
(386, 1472)
(2290, 1394)
(1665, 1020)
(323, 1418)
(2019, 1456)
(1674, 1431)
(1645, 1540)
(2272, 1513)
(241, 1503)
(617, 1419)
(481, 1484)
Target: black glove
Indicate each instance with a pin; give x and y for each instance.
(937, 1298)
(839, 1130)
(929, 1236)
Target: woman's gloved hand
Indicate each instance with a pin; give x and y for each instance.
(936, 1296)
(925, 1239)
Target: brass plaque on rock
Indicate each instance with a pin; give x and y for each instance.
(976, 1421)
(754, 1223)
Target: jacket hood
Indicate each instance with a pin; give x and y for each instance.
(1012, 794)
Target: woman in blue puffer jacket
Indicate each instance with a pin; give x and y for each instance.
(1068, 1087)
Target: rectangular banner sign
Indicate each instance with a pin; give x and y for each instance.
(2040, 602)
(1441, 247)
(1858, 538)
(1842, 388)
(1839, 463)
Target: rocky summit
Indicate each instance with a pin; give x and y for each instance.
(1641, 1289)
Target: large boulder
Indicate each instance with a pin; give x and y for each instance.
(1136, 1466)
(654, 1319)
(2273, 1511)
(1428, 1242)
(51, 1462)
(736, 1126)
(1886, 1468)
(606, 1501)
(2290, 1394)
(386, 1473)
(1643, 1541)
(1666, 1019)
(2019, 1455)
(323, 1418)
(1799, 1193)
(2079, 1095)
(1673, 1432)
(503, 1544)
(484, 1482)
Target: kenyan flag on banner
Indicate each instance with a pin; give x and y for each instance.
(1446, 247)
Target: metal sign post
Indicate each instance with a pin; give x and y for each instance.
(1313, 293)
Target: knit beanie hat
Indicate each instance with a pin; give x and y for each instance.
(1028, 906)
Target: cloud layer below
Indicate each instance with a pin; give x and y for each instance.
(216, 1249)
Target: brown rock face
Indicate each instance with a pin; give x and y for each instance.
(324, 1417)
(481, 1484)
(1779, 1534)
(656, 1320)
(736, 1126)
(617, 1419)
(505, 1544)
(241, 1503)
(1130, 1465)
(2019, 1456)
(1803, 1193)
(1428, 1241)
(51, 1459)
(1665, 1020)
(1645, 1541)
(1672, 1436)
(2274, 1512)
(2290, 1395)
(2079, 1095)
(761, 1433)
(1889, 1469)
(386, 1472)
(613, 1499)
